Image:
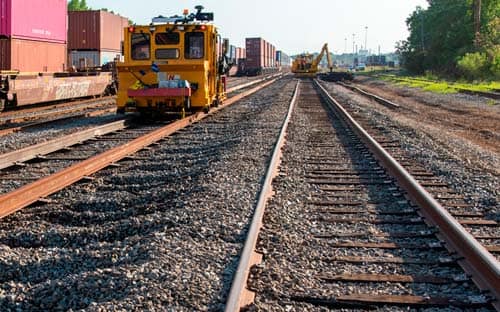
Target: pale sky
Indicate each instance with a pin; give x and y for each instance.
(293, 26)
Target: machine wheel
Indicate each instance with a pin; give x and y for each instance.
(187, 104)
(215, 103)
(206, 109)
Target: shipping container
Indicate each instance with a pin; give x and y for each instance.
(266, 54)
(95, 30)
(32, 56)
(273, 53)
(42, 20)
(86, 59)
(255, 61)
(254, 46)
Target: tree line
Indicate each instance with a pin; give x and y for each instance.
(81, 5)
(454, 38)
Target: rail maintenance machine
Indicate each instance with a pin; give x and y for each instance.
(172, 66)
(307, 66)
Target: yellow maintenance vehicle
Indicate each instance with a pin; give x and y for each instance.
(306, 65)
(172, 66)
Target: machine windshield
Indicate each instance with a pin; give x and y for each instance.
(167, 38)
(140, 46)
(194, 45)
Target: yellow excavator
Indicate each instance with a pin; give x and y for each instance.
(306, 65)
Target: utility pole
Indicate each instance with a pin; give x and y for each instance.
(366, 37)
(476, 8)
(345, 47)
(353, 43)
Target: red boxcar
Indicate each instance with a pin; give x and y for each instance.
(41, 20)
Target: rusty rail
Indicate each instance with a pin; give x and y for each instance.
(478, 262)
(238, 295)
(377, 98)
(17, 116)
(248, 84)
(44, 148)
(28, 194)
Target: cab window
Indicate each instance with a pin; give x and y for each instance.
(167, 38)
(194, 45)
(140, 46)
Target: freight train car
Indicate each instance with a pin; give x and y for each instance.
(259, 57)
(171, 66)
(18, 89)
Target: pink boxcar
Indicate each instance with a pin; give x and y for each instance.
(42, 20)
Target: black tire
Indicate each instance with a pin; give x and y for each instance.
(187, 104)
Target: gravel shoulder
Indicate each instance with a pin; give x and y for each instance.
(444, 133)
(160, 233)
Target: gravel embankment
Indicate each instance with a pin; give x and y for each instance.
(162, 232)
(295, 258)
(42, 133)
(464, 164)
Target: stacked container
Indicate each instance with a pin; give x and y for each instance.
(273, 59)
(33, 35)
(240, 54)
(94, 38)
(282, 59)
(255, 52)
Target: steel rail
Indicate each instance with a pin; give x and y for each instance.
(238, 295)
(11, 117)
(94, 113)
(377, 98)
(248, 84)
(44, 148)
(477, 261)
(31, 193)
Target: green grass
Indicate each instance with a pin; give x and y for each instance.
(440, 86)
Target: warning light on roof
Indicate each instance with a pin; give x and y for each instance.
(185, 12)
(131, 28)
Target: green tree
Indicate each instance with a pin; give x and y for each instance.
(78, 5)
(450, 31)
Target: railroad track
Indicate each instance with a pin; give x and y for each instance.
(373, 96)
(29, 118)
(74, 156)
(17, 121)
(161, 228)
(343, 230)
